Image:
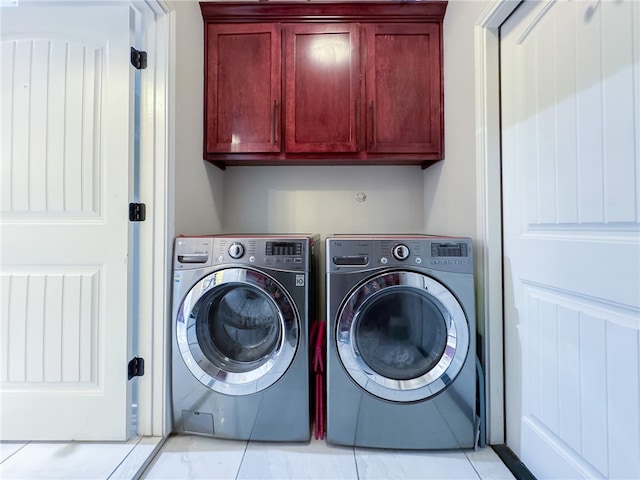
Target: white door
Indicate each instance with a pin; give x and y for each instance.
(570, 79)
(66, 149)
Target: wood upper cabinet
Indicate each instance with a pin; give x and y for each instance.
(243, 88)
(403, 88)
(292, 83)
(322, 86)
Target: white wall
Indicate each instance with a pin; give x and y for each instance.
(450, 185)
(323, 200)
(198, 184)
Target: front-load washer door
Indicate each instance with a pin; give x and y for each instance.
(237, 331)
(402, 336)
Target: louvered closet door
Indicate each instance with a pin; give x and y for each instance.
(65, 90)
(571, 195)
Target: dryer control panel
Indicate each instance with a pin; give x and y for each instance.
(351, 253)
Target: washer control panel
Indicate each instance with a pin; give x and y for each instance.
(275, 252)
(351, 253)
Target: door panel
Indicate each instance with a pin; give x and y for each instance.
(322, 87)
(404, 88)
(55, 168)
(65, 90)
(243, 88)
(571, 185)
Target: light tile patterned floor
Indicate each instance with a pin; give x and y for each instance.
(193, 457)
(76, 460)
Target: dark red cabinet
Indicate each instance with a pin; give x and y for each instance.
(323, 83)
(243, 88)
(322, 86)
(403, 88)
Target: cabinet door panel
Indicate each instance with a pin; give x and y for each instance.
(403, 88)
(322, 87)
(243, 88)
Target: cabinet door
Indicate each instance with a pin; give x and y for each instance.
(321, 87)
(404, 99)
(243, 88)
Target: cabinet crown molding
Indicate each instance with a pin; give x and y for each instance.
(301, 12)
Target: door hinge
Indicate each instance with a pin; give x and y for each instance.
(135, 368)
(137, 212)
(138, 59)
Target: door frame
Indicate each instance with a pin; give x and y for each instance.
(489, 208)
(157, 191)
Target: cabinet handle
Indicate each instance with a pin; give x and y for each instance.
(372, 141)
(356, 126)
(275, 123)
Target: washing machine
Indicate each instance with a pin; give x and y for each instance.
(401, 361)
(240, 356)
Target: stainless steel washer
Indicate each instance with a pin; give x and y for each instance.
(240, 360)
(401, 342)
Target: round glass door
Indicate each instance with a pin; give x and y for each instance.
(402, 336)
(237, 331)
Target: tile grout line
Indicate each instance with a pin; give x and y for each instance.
(472, 464)
(355, 461)
(16, 451)
(125, 458)
(145, 463)
(149, 460)
(154, 453)
(244, 453)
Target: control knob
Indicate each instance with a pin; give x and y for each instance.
(400, 252)
(236, 250)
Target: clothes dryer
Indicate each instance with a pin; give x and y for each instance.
(401, 361)
(240, 357)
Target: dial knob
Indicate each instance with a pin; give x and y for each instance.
(236, 250)
(400, 252)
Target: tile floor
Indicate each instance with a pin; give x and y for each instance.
(208, 458)
(194, 457)
(76, 460)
